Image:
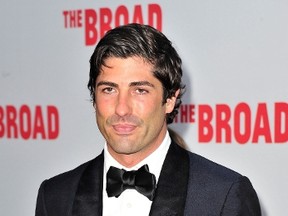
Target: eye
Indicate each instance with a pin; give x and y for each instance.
(108, 90)
(141, 91)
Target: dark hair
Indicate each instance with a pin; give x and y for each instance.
(148, 43)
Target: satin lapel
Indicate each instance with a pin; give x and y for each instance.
(172, 184)
(88, 199)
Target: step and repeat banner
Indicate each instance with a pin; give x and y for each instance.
(234, 112)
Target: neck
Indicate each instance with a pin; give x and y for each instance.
(130, 160)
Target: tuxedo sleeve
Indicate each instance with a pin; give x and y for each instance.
(241, 200)
(40, 205)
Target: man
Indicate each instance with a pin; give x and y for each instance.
(136, 89)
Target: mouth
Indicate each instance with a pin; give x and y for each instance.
(124, 129)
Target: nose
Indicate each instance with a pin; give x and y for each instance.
(123, 106)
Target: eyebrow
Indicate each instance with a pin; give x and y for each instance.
(136, 83)
(142, 83)
(107, 83)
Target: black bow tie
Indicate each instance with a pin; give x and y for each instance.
(119, 180)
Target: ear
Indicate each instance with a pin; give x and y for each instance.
(170, 102)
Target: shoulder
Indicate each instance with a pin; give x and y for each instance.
(67, 182)
(67, 178)
(221, 189)
(59, 186)
(202, 168)
(207, 169)
(56, 195)
(212, 180)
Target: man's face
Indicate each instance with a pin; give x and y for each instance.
(129, 109)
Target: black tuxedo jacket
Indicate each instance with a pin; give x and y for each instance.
(188, 185)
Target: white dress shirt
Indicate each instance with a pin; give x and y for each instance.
(131, 202)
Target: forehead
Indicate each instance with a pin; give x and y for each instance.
(126, 69)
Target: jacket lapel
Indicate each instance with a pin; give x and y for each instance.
(170, 195)
(88, 199)
(172, 185)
